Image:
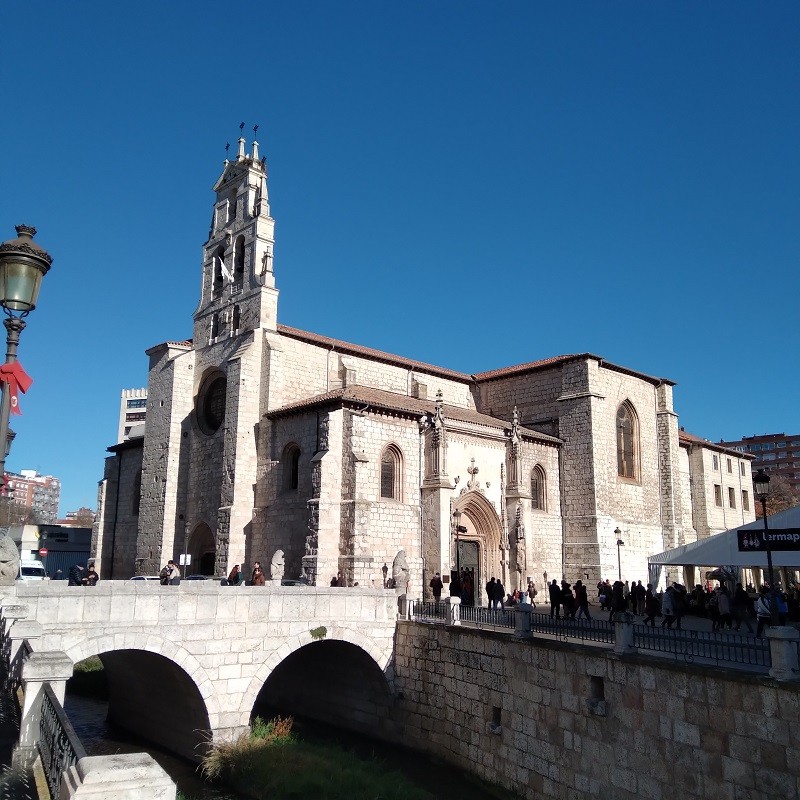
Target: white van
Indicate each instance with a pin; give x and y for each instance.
(31, 571)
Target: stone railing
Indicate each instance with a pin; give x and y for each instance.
(39, 681)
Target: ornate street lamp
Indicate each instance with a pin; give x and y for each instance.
(620, 543)
(23, 264)
(761, 486)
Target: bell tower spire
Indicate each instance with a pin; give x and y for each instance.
(238, 292)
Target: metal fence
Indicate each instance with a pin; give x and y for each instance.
(689, 645)
(704, 646)
(59, 746)
(504, 618)
(429, 611)
(588, 630)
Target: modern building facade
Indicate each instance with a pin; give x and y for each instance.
(35, 496)
(265, 442)
(132, 411)
(775, 453)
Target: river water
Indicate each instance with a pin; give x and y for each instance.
(88, 717)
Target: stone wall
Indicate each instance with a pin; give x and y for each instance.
(548, 719)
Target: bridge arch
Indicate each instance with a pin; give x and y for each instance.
(381, 657)
(148, 677)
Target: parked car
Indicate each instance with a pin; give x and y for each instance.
(145, 578)
(31, 571)
(294, 582)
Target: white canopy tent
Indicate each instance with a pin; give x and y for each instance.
(722, 549)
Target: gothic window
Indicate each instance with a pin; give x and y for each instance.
(137, 494)
(238, 258)
(232, 207)
(627, 442)
(236, 319)
(214, 326)
(217, 261)
(391, 469)
(291, 467)
(539, 488)
(210, 407)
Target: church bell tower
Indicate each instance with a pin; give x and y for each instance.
(238, 294)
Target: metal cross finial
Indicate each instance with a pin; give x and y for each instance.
(227, 147)
(255, 130)
(241, 128)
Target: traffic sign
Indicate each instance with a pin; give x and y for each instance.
(42, 551)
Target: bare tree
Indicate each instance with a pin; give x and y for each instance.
(782, 495)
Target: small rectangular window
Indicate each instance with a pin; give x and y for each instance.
(741, 467)
(745, 500)
(715, 462)
(718, 495)
(730, 466)
(731, 497)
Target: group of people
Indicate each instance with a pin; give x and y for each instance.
(236, 577)
(79, 575)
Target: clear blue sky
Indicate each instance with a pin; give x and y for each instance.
(471, 184)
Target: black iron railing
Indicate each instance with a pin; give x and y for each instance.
(489, 617)
(429, 611)
(704, 646)
(59, 746)
(587, 630)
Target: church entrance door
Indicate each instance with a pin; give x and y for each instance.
(469, 558)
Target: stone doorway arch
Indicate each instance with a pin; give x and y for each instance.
(202, 550)
(481, 542)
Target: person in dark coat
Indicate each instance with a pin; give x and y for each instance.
(651, 608)
(75, 575)
(618, 602)
(567, 600)
(582, 600)
(555, 599)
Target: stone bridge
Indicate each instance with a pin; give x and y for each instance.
(189, 663)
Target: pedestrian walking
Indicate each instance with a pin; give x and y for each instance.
(582, 601)
(555, 599)
(436, 587)
(762, 611)
(650, 606)
(741, 608)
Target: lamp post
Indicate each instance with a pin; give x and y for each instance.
(761, 485)
(23, 264)
(620, 543)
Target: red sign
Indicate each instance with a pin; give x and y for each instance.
(43, 551)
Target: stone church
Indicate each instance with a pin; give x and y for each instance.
(261, 438)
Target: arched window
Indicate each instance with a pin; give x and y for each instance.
(627, 441)
(232, 207)
(236, 319)
(215, 326)
(291, 467)
(238, 258)
(539, 488)
(210, 403)
(137, 494)
(218, 260)
(391, 473)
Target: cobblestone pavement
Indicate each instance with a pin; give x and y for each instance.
(15, 784)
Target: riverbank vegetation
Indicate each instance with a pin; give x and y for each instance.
(272, 762)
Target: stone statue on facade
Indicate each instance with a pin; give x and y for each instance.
(276, 566)
(520, 556)
(9, 561)
(400, 573)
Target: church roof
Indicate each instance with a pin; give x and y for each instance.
(360, 396)
(690, 439)
(532, 366)
(369, 352)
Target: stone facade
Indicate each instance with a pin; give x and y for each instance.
(261, 437)
(550, 719)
